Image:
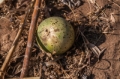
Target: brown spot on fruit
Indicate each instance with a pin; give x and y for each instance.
(46, 30)
(56, 30)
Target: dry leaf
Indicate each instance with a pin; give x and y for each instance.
(112, 18)
(92, 1)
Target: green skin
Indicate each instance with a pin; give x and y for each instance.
(55, 35)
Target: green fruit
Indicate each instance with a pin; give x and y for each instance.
(55, 35)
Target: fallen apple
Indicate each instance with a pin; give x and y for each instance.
(55, 35)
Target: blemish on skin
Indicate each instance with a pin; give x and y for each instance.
(54, 23)
(40, 32)
(56, 30)
(43, 38)
(46, 30)
(45, 44)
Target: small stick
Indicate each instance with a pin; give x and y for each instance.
(10, 52)
(25, 78)
(30, 40)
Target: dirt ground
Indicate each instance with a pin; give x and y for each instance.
(97, 27)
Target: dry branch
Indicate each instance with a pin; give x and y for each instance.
(30, 39)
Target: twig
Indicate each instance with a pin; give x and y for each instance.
(10, 52)
(40, 71)
(25, 78)
(30, 39)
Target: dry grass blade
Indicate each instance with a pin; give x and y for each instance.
(10, 52)
(25, 78)
(96, 50)
(1, 1)
(112, 18)
(30, 39)
(93, 47)
(92, 1)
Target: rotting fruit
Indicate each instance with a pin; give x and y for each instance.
(55, 35)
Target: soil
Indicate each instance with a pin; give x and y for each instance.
(96, 21)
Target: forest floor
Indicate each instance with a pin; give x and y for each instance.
(96, 22)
